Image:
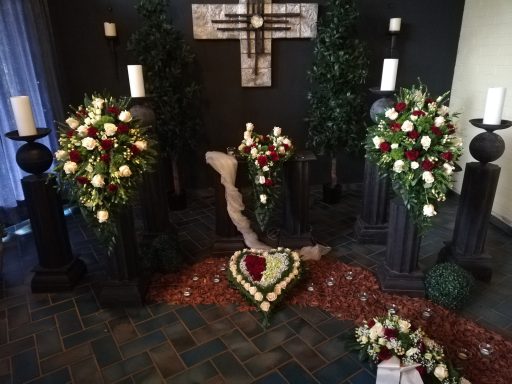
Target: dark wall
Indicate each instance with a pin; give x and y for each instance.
(427, 49)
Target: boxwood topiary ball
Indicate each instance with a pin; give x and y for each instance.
(448, 285)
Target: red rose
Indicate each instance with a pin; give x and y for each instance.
(70, 133)
(268, 182)
(371, 323)
(286, 146)
(82, 180)
(107, 144)
(451, 128)
(399, 107)
(448, 156)
(414, 134)
(384, 354)
(427, 165)
(271, 148)
(113, 110)
(395, 127)
(385, 147)
(105, 158)
(262, 160)
(247, 149)
(421, 370)
(255, 266)
(74, 156)
(436, 131)
(112, 188)
(274, 156)
(123, 128)
(418, 113)
(412, 154)
(390, 333)
(135, 150)
(428, 100)
(92, 132)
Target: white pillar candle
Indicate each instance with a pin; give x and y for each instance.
(494, 105)
(389, 70)
(394, 24)
(23, 116)
(136, 81)
(110, 29)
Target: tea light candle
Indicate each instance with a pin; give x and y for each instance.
(195, 277)
(216, 278)
(363, 296)
(426, 313)
(463, 354)
(494, 105)
(349, 275)
(187, 292)
(311, 287)
(394, 24)
(329, 281)
(136, 81)
(485, 349)
(23, 115)
(392, 309)
(389, 70)
(110, 29)
(222, 267)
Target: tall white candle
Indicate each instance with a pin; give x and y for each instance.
(394, 24)
(23, 115)
(389, 70)
(494, 105)
(136, 81)
(110, 29)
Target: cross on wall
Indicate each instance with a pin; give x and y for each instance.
(255, 23)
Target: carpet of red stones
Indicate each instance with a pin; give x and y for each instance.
(343, 301)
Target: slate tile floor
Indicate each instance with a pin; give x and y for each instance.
(67, 337)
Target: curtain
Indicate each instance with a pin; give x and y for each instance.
(26, 57)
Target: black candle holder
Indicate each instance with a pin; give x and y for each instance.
(467, 247)
(393, 51)
(380, 105)
(142, 110)
(32, 157)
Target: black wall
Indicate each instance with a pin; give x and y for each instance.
(427, 49)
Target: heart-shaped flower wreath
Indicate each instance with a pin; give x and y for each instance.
(263, 277)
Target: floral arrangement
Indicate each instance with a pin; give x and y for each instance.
(265, 156)
(264, 276)
(414, 144)
(383, 337)
(103, 154)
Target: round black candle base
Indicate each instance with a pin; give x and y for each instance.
(32, 157)
(380, 105)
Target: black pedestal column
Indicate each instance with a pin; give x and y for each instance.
(467, 247)
(58, 269)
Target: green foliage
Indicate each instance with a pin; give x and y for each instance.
(339, 71)
(164, 254)
(168, 65)
(448, 285)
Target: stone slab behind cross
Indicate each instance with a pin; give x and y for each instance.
(255, 66)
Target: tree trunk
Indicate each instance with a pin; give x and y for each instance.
(334, 175)
(175, 176)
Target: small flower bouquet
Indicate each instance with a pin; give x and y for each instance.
(265, 155)
(383, 337)
(414, 144)
(263, 277)
(103, 154)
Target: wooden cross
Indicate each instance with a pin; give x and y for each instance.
(255, 23)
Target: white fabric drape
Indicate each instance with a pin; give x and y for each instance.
(390, 372)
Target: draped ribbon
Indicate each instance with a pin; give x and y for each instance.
(390, 372)
(226, 166)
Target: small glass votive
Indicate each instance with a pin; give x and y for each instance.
(311, 287)
(222, 268)
(195, 277)
(187, 292)
(363, 296)
(231, 151)
(392, 309)
(486, 349)
(463, 354)
(216, 278)
(349, 275)
(426, 313)
(329, 281)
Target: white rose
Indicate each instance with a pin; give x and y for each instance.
(82, 130)
(415, 165)
(72, 122)
(427, 177)
(247, 135)
(438, 121)
(428, 356)
(247, 286)
(364, 339)
(428, 210)
(249, 141)
(89, 168)
(441, 372)
(239, 278)
(398, 166)
(277, 289)
(377, 141)
(263, 199)
(262, 179)
(425, 142)
(258, 296)
(110, 129)
(142, 145)
(70, 167)
(88, 121)
(125, 116)
(404, 326)
(124, 171)
(448, 169)
(102, 216)
(394, 146)
(391, 114)
(98, 181)
(89, 143)
(413, 117)
(283, 284)
(376, 331)
(407, 126)
(253, 290)
(249, 126)
(281, 150)
(265, 306)
(241, 147)
(61, 155)
(287, 141)
(382, 341)
(277, 131)
(411, 351)
(271, 296)
(265, 168)
(443, 110)
(91, 115)
(98, 102)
